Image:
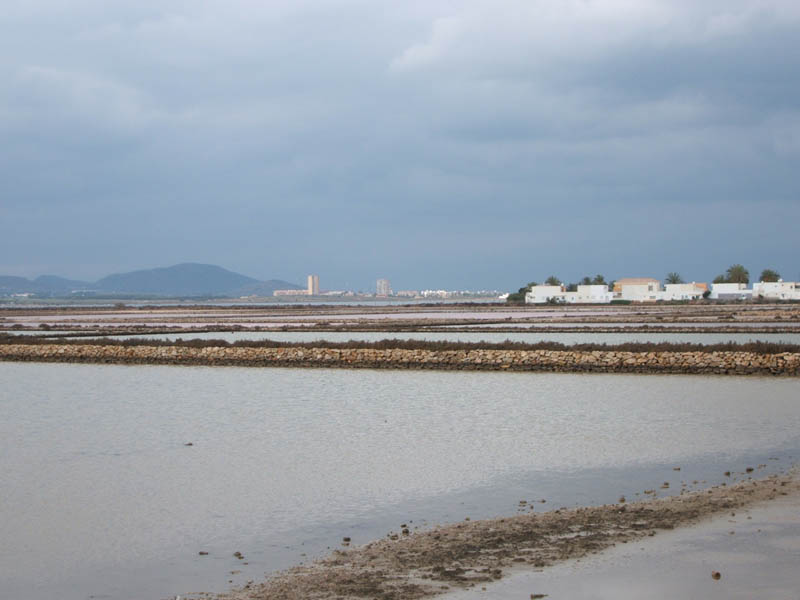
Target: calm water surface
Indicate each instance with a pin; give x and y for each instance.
(568, 338)
(102, 499)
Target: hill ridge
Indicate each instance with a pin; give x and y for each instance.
(188, 279)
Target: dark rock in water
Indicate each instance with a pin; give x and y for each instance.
(715, 575)
(203, 553)
(188, 444)
(345, 539)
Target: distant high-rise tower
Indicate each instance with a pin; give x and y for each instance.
(384, 288)
(313, 285)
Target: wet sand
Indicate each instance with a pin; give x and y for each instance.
(469, 556)
(756, 551)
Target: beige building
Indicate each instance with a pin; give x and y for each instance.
(638, 289)
(313, 285)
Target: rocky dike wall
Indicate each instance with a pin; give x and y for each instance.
(600, 361)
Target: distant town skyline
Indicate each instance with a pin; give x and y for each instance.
(438, 144)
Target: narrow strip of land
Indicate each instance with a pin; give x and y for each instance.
(420, 565)
(763, 359)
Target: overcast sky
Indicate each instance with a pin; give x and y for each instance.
(439, 144)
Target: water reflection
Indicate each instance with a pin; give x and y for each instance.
(101, 494)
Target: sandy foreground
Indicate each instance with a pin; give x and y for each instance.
(756, 551)
(464, 560)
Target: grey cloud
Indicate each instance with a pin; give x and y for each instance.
(368, 138)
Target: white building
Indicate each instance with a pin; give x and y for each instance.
(684, 291)
(585, 294)
(590, 294)
(730, 291)
(542, 294)
(638, 289)
(383, 287)
(777, 290)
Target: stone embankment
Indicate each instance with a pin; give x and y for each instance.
(601, 361)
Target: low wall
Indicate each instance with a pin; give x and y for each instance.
(605, 361)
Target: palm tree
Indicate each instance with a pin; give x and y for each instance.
(586, 281)
(737, 274)
(673, 278)
(552, 280)
(598, 280)
(769, 275)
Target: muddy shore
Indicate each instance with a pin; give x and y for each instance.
(410, 565)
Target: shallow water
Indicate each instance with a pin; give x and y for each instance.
(102, 498)
(568, 338)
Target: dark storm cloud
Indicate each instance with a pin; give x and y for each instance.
(440, 144)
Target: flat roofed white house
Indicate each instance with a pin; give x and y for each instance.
(542, 294)
(638, 289)
(730, 291)
(684, 291)
(777, 290)
(585, 294)
(590, 294)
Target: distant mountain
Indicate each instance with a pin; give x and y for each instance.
(9, 284)
(57, 286)
(187, 279)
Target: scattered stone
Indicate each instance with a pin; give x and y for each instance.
(470, 554)
(203, 553)
(715, 575)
